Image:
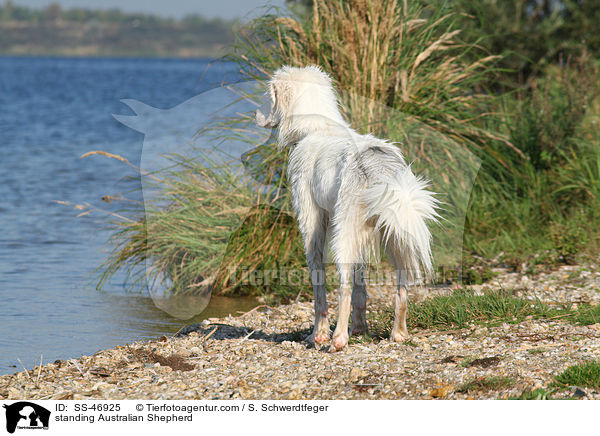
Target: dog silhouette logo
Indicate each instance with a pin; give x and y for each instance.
(26, 415)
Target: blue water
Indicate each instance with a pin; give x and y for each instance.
(53, 110)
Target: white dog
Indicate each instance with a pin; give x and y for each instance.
(357, 187)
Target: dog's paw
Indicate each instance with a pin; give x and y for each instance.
(339, 342)
(359, 329)
(317, 338)
(399, 336)
(321, 338)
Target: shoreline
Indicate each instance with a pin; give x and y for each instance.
(63, 55)
(261, 355)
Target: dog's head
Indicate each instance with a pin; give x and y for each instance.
(299, 100)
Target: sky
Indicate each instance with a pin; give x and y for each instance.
(227, 9)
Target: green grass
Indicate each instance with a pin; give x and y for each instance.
(537, 350)
(584, 375)
(549, 200)
(536, 394)
(464, 307)
(485, 384)
(586, 315)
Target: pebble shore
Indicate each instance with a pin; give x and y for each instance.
(262, 355)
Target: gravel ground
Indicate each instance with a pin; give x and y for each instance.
(261, 355)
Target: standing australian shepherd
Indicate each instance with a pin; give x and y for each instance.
(356, 187)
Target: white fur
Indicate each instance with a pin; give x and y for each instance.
(357, 187)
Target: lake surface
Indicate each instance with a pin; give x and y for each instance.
(53, 110)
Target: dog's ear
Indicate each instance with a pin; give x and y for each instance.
(281, 94)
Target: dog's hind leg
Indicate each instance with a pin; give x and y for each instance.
(313, 224)
(359, 302)
(340, 335)
(399, 330)
(349, 238)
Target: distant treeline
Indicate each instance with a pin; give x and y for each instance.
(112, 32)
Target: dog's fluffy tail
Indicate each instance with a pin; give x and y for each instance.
(402, 205)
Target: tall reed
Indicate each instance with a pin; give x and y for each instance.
(386, 52)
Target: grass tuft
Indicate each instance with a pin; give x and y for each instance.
(536, 394)
(464, 307)
(209, 227)
(585, 375)
(485, 384)
(586, 315)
